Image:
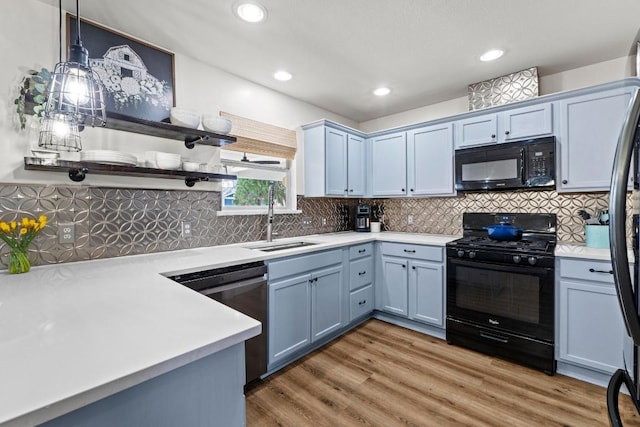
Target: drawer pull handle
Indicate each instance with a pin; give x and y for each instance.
(363, 302)
(410, 251)
(494, 337)
(362, 273)
(593, 270)
(361, 251)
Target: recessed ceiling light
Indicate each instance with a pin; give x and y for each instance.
(382, 91)
(250, 11)
(491, 55)
(282, 75)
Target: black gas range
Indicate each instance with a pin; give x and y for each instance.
(500, 294)
(536, 246)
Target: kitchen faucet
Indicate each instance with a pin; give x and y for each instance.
(272, 185)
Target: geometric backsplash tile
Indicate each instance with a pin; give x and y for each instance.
(111, 222)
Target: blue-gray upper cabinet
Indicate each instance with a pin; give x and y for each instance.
(334, 162)
(430, 161)
(510, 125)
(389, 165)
(591, 125)
(418, 162)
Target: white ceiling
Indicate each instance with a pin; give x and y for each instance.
(426, 51)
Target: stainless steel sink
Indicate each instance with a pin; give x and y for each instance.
(278, 246)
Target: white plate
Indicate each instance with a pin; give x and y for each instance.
(109, 157)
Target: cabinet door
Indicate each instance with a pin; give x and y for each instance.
(591, 328)
(289, 316)
(393, 286)
(355, 165)
(335, 162)
(426, 283)
(527, 122)
(430, 160)
(327, 299)
(389, 165)
(591, 125)
(477, 130)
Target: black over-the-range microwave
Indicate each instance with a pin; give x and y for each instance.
(528, 164)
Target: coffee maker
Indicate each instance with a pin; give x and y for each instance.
(363, 218)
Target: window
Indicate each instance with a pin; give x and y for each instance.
(249, 193)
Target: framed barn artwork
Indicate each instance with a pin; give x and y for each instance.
(138, 78)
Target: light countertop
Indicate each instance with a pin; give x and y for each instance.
(580, 250)
(71, 334)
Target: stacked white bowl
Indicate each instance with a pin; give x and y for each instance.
(185, 118)
(216, 124)
(160, 160)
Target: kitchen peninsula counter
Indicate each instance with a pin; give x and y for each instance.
(72, 334)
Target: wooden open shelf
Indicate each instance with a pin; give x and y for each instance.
(78, 170)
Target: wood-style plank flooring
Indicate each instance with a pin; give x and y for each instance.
(383, 375)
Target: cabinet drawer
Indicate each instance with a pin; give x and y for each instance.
(360, 273)
(360, 251)
(361, 302)
(302, 264)
(591, 270)
(431, 253)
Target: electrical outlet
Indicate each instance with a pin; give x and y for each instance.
(186, 229)
(409, 219)
(306, 222)
(67, 233)
(324, 221)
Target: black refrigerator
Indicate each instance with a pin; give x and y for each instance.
(626, 163)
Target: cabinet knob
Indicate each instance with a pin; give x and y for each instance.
(346, 190)
(506, 132)
(402, 190)
(411, 189)
(351, 190)
(404, 266)
(564, 181)
(493, 136)
(413, 267)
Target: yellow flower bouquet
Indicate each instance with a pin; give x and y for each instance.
(18, 236)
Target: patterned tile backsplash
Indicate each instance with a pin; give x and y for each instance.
(112, 222)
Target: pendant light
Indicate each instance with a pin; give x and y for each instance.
(75, 95)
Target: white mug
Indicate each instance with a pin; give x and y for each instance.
(375, 227)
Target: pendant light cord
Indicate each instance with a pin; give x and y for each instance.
(60, 32)
(78, 41)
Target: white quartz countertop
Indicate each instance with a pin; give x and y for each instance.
(74, 333)
(580, 250)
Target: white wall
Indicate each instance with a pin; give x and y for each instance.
(198, 86)
(603, 72)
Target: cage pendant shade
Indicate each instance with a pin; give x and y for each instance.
(75, 92)
(59, 134)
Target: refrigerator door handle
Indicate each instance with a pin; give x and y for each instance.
(617, 219)
(613, 390)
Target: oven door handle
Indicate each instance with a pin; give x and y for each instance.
(617, 219)
(513, 268)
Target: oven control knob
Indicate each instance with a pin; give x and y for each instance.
(472, 254)
(532, 260)
(460, 253)
(517, 259)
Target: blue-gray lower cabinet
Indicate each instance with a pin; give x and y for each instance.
(306, 302)
(205, 392)
(393, 291)
(591, 331)
(411, 282)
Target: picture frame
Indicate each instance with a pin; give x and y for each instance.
(138, 78)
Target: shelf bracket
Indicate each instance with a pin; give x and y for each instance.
(190, 141)
(78, 175)
(190, 181)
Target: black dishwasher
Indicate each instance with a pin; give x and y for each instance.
(242, 287)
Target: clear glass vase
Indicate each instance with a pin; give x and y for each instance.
(19, 261)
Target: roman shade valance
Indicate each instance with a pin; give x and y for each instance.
(261, 138)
